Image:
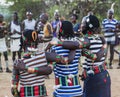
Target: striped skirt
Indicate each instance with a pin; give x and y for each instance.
(67, 87)
(33, 91)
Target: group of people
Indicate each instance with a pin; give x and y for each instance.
(58, 46)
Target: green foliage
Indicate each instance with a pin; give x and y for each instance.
(21, 6)
(65, 7)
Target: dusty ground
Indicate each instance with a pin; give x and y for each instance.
(6, 77)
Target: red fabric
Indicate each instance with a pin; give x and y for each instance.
(56, 81)
(36, 90)
(89, 33)
(96, 69)
(60, 30)
(105, 80)
(84, 74)
(59, 45)
(70, 83)
(22, 93)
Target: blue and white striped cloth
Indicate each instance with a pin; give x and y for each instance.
(109, 24)
(95, 46)
(65, 70)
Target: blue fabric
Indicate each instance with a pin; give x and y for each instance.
(54, 25)
(56, 95)
(64, 95)
(61, 70)
(111, 43)
(76, 27)
(98, 85)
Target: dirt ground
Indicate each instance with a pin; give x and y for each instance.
(5, 81)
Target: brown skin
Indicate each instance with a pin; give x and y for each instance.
(15, 20)
(3, 27)
(45, 70)
(57, 16)
(72, 45)
(110, 17)
(44, 18)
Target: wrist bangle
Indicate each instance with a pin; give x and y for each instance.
(95, 57)
(36, 70)
(60, 43)
(26, 68)
(57, 58)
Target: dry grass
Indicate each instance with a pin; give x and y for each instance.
(6, 77)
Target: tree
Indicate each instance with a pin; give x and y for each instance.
(21, 6)
(66, 7)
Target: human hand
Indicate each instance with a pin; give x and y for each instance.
(64, 60)
(14, 31)
(101, 53)
(61, 59)
(14, 91)
(19, 64)
(110, 30)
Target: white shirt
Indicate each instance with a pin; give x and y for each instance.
(29, 24)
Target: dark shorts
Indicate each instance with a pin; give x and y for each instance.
(98, 85)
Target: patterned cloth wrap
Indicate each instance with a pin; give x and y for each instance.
(31, 85)
(95, 69)
(67, 83)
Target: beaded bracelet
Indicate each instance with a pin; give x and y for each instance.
(36, 69)
(59, 43)
(58, 58)
(32, 70)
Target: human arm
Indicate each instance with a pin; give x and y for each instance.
(15, 81)
(36, 24)
(88, 54)
(107, 29)
(96, 56)
(43, 70)
(18, 31)
(22, 26)
(8, 28)
(72, 45)
(103, 51)
(54, 57)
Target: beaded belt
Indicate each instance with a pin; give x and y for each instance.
(67, 81)
(95, 70)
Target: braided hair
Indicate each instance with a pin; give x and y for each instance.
(29, 39)
(66, 30)
(91, 24)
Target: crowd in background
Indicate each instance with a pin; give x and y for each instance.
(32, 35)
